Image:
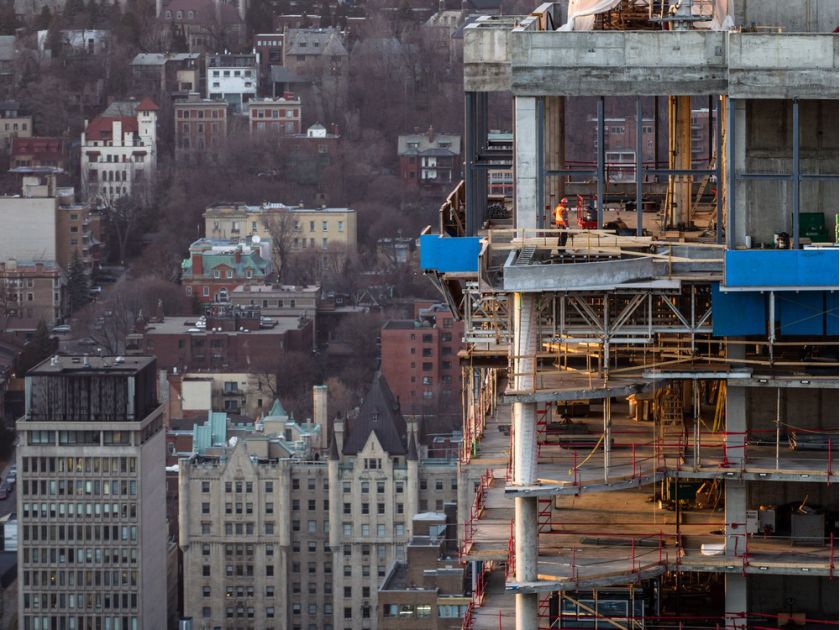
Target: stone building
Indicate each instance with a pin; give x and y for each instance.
(92, 544)
(275, 535)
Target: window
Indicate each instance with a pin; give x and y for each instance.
(205, 486)
(323, 226)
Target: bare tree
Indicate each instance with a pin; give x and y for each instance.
(124, 216)
(281, 227)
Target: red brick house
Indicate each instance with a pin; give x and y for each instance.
(215, 268)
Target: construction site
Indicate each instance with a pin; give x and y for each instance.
(650, 432)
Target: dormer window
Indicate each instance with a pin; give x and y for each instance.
(169, 15)
(191, 14)
(179, 15)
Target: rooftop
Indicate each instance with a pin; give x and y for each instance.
(160, 59)
(276, 288)
(186, 325)
(59, 364)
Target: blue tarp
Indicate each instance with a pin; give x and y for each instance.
(449, 255)
(735, 314)
(798, 269)
(801, 313)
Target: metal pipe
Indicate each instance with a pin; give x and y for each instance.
(569, 171)
(680, 171)
(795, 174)
(656, 131)
(778, 422)
(719, 168)
(639, 162)
(600, 161)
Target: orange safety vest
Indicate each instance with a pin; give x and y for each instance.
(561, 215)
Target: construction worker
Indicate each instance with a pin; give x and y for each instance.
(561, 220)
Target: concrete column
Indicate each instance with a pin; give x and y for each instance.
(680, 158)
(736, 157)
(736, 600)
(736, 415)
(463, 499)
(525, 456)
(527, 206)
(284, 500)
(736, 517)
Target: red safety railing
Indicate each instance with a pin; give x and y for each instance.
(476, 509)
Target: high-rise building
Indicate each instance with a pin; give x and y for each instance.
(92, 544)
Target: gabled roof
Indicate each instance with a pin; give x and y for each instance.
(380, 415)
(315, 41)
(42, 146)
(277, 410)
(147, 105)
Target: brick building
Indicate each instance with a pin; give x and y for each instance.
(30, 291)
(269, 48)
(201, 127)
(178, 343)
(420, 360)
(172, 74)
(274, 115)
(215, 268)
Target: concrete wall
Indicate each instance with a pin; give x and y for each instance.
(815, 596)
(769, 149)
(487, 58)
(795, 16)
(808, 408)
(153, 532)
(29, 228)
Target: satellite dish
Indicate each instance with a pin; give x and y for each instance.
(255, 239)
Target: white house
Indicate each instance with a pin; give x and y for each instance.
(233, 78)
(119, 151)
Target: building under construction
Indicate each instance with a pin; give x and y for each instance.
(651, 414)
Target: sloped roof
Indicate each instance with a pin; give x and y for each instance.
(277, 410)
(42, 146)
(380, 415)
(315, 41)
(204, 12)
(147, 105)
(100, 128)
(429, 140)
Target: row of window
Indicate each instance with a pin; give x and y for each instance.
(72, 601)
(79, 510)
(79, 487)
(116, 578)
(94, 157)
(281, 112)
(364, 530)
(83, 555)
(31, 622)
(198, 114)
(113, 533)
(230, 73)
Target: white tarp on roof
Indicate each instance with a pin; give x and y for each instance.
(582, 14)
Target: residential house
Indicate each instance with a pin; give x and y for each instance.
(13, 123)
(429, 162)
(38, 151)
(119, 151)
(306, 228)
(215, 268)
(76, 42)
(269, 48)
(172, 74)
(233, 78)
(206, 25)
(274, 115)
(201, 128)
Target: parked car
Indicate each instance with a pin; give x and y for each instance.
(4, 492)
(11, 480)
(95, 291)
(62, 329)
(87, 341)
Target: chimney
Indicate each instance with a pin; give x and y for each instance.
(319, 411)
(431, 133)
(197, 264)
(338, 432)
(237, 256)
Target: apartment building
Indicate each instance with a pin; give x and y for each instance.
(215, 268)
(305, 228)
(207, 25)
(612, 386)
(92, 542)
(279, 115)
(420, 360)
(44, 223)
(31, 291)
(328, 530)
(171, 75)
(201, 128)
(233, 79)
(119, 151)
(279, 300)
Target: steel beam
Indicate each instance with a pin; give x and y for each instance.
(639, 167)
(600, 160)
